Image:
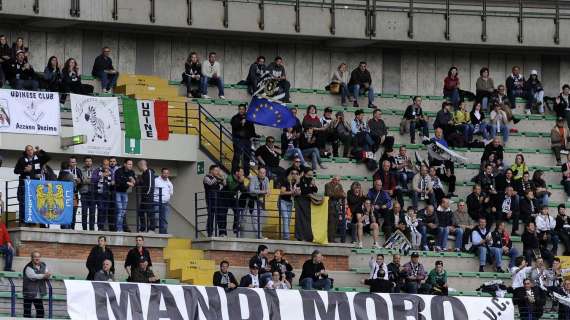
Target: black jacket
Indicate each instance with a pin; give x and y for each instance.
(133, 257)
(36, 162)
(276, 70)
(360, 77)
(217, 280)
(261, 262)
(310, 270)
(101, 64)
(379, 285)
(445, 218)
(527, 208)
(255, 72)
(377, 128)
(95, 260)
(475, 208)
(145, 183)
(409, 113)
(526, 309)
(247, 280)
(280, 266)
(16, 70)
(121, 178)
(243, 131)
(498, 151)
(560, 108)
(529, 240)
(563, 311)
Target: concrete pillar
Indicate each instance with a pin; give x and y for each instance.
(409, 72)
(478, 61)
(462, 60)
(232, 70)
(321, 67)
(551, 75)
(289, 55)
(127, 52)
(564, 70)
(303, 66)
(391, 72)
(498, 68)
(74, 46)
(180, 52)
(162, 57)
(249, 52)
(374, 60)
(426, 73)
(55, 45)
(37, 56)
(443, 61)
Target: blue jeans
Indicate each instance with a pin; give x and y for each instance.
(485, 104)
(356, 90)
(286, 208)
(513, 253)
(467, 130)
(321, 284)
(496, 252)
(453, 95)
(458, 237)
(315, 156)
(295, 152)
(416, 199)
(163, 210)
(343, 92)
(484, 129)
(543, 200)
(121, 202)
(8, 256)
(420, 125)
(108, 80)
(504, 132)
(218, 82)
(405, 177)
(424, 230)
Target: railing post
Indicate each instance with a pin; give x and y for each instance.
(520, 37)
(297, 16)
(36, 6)
(6, 202)
(138, 202)
(372, 17)
(221, 159)
(12, 298)
(411, 20)
(50, 300)
(189, 14)
(280, 215)
(258, 213)
(367, 19)
(152, 15)
(557, 24)
(196, 214)
(115, 12)
(484, 22)
(333, 18)
(262, 14)
(186, 116)
(200, 123)
(447, 17)
(226, 13)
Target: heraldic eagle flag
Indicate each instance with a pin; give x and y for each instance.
(48, 202)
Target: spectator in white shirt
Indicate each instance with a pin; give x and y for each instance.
(278, 281)
(361, 132)
(520, 272)
(211, 75)
(375, 265)
(163, 190)
(545, 225)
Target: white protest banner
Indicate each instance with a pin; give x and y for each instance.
(29, 112)
(113, 300)
(98, 119)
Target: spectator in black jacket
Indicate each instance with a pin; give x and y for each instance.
(5, 53)
(379, 284)
(444, 120)
(213, 183)
(124, 179)
(530, 301)
(256, 71)
(564, 291)
(21, 75)
(417, 120)
(528, 207)
(563, 228)
(478, 204)
(276, 70)
(145, 187)
(430, 224)
(225, 278)
(360, 82)
(268, 156)
(29, 166)
(262, 262)
(379, 132)
(104, 70)
(515, 86)
(448, 224)
(496, 148)
(135, 254)
(52, 75)
(396, 273)
(534, 92)
(71, 80)
(251, 280)
(507, 209)
(502, 240)
(98, 254)
(314, 275)
(281, 265)
(562, 104)
(191, 75)
(531, 245)
(242, 133)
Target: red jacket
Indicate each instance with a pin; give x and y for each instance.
(4, 235)
(450, 83)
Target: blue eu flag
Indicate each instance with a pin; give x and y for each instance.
(270, 113)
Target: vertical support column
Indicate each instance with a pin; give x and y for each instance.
(520, 38)
(447, 17)
(372, 17)
(297, 16)
(152, 15)
(72, 8)
(261, 14)
(226, 13)
(411, 20)
(36, 6)
(557, 24)
(367, 19)
(333, 17)
(189, 13)
(484, 22)
(115, 12)
(77, 8)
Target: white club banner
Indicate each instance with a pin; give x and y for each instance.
(29, 112)
(113, 300)
(97, 118)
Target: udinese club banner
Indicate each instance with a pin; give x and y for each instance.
(98, 119)
(29, 112)
(48, 202)
(113, 300)
(146, 119)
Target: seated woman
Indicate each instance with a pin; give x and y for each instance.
(355, 198)
(312, 121)
(340, 78)
(52, 75)
(519, 167)
(545, 225)
(366, 222)
(71, 80)
(309, 148)
(540, 189)
(480, 125)
(451, 87)
(462, 120)
(484, 88)
(290, 145)
(535, 93)
(499, 123)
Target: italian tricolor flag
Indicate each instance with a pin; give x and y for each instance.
(146, 119)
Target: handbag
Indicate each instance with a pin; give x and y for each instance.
(316, 199)
(334, 87)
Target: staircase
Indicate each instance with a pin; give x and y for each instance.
(187, 264)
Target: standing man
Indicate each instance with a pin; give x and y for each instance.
(135, 255)
(34, 287)
(213, 184)
(77, 180)
(101, 180)
(87, 195)
(242, 133)
(255, 73)
(124, 180)
(104, 70)
(145, 186)
(211, 74)
(360, 82)
(163, 191)
(336, 194)
(277, 70)
(29, 166)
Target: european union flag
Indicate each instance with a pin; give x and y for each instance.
(270, 113)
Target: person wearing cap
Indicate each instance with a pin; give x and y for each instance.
(559, 139)
(437, 280)
(415, 274)
(251, 280)
(142, 273)
(21, 75)
(339, 130)
(534, 92)
(361, 132)
(379, 132)
(262, 262)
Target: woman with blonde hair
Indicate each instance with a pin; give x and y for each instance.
(339, 82)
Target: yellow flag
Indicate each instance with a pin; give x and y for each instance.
(319, 221)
